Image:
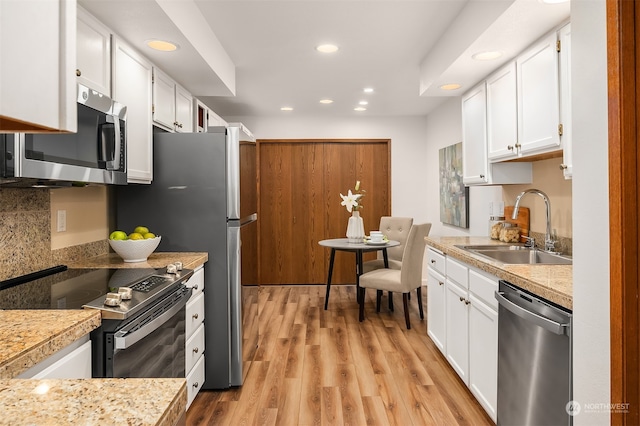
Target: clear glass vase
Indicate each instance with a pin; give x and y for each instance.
(355, 228)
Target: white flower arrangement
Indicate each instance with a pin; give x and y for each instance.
(352, 200)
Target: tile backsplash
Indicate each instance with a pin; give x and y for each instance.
(25, 231)
(25, 234)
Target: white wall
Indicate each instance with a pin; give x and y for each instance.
(591, 369)
(444, 128)
(408, 149)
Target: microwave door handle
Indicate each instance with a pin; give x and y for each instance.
(117, 145)
(110, 161)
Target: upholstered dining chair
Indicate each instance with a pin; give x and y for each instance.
(394, 228)
(404, 280)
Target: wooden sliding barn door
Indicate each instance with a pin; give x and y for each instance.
(300, 186)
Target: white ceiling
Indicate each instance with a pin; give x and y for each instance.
(404, 49)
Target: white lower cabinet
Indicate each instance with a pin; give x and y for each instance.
(194, 335)
(436, 311)
(71, 362)
(195, 379)
(465, 314)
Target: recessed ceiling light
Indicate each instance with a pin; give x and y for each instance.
(327, 48)
(326, 101)
(359, 109)
(162, 45)
(452, 86)
(368, 90)
(286, 109)
(363, 103)
(487, 55)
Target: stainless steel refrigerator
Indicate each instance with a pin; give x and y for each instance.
(203, 198)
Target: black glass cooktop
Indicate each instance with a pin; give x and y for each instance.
(66, 288)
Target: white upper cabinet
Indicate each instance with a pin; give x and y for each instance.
(172, 104)
(564, 36)
(476, 168)
(502, 114)
(38, 66)
(164, 106)
(474, 136)
(539, 97)
(184, 110)
(93, 53)
(132, 87)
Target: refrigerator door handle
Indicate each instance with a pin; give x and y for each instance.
(235, 300)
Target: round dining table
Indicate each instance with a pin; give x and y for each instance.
(343, 244)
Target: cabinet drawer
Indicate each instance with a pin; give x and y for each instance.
(196, 282)
(194, 314)
(484, 287)
(194, 348)
(457, 272)
(436, 261)
(195, 379)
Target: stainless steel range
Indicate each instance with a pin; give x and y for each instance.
(143, 314)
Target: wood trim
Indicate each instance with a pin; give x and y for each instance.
(357, 141)
(624, 93)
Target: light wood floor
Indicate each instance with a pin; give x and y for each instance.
(316, 367)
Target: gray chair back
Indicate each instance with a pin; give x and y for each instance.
(411, 272)
(395, 228)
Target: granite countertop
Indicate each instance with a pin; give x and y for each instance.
(92, 401)
(190, 260)
(30, 336)
(552, 282)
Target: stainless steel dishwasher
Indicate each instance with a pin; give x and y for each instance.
(534, 359)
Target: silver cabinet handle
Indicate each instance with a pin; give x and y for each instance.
(462, 299)
(195, 384)
(195, 316)
(510, 147)
(195, 350)
(539, 320)
(440, 283)
(467, 301)
(563, 167)
(433, 261)
(518, 145)
(78, 73)
(481, 176)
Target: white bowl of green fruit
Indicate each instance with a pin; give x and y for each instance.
(136, 246)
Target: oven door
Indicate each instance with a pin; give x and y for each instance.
(151, 345)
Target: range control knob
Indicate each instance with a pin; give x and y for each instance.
(178, 265)
(172, 269)
(113, 299)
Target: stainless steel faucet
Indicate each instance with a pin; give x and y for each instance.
(549, 241)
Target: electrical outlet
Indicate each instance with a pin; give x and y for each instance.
(62, 220)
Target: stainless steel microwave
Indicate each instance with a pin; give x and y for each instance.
(96, 153)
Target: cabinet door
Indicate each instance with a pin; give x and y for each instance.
(184, 110)
(38, 66)
(565, 100)
(538, 97)
(457, 329)
(483, 354)
(94, 53)
(132, 87)
(502, 116)
(436, 309)
(164, 106)
(474, 136)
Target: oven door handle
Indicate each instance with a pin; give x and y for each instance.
(124, 339)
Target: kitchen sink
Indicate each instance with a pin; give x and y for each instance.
(518, 255)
